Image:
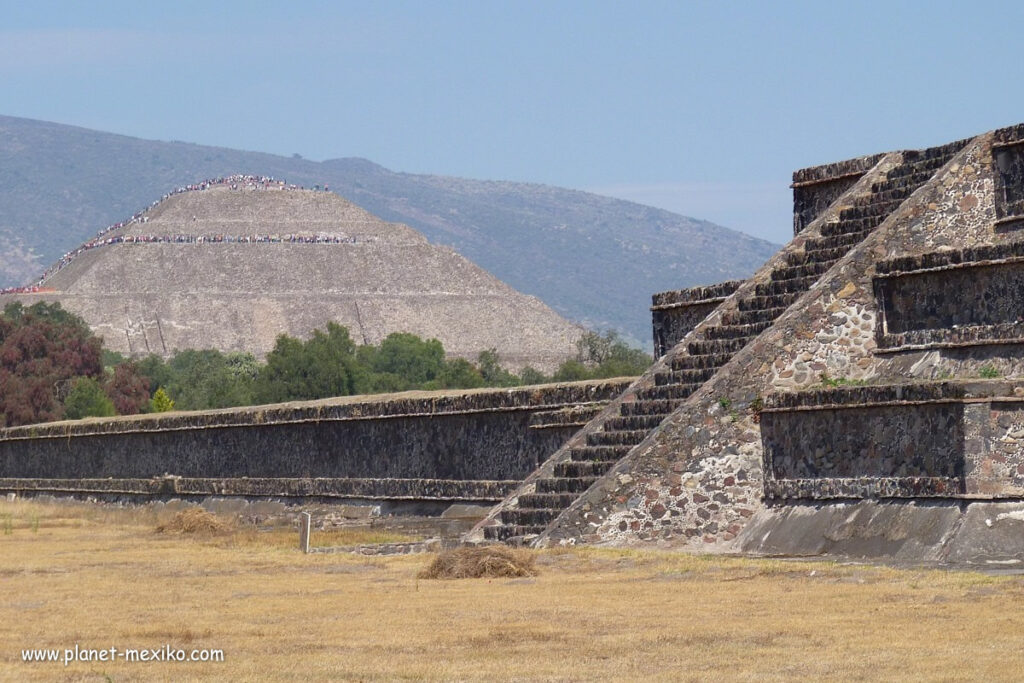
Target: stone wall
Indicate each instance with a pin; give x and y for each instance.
(888, 441)
(914, 296)
(675, 313)
(1008, 154)
(493, 435)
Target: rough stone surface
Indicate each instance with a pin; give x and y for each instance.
(697, 479)
(312, 448)
(158, 297)
(675, 313)
(961, 533)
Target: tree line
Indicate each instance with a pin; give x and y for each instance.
(53, 367)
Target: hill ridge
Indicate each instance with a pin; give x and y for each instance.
(592, 258)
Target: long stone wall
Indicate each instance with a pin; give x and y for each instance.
(496, 435)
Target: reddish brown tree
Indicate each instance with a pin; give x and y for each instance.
(128, 389)
(42, 347)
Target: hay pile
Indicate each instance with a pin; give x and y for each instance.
(193, 521)
(491, 561)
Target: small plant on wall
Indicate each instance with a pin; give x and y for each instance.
(988, 371)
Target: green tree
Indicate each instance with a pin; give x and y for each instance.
(528, 376)
(156, 370)
(87, 399)
(571, 371)
(494, 375)
(161, 402)
(413, 361)
(205, 379)
(458, 373)
(607, 355)
(321, 367)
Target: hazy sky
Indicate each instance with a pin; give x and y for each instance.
(704, 108)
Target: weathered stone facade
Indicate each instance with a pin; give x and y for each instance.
(907, 276)
(469, 445)
(675, 313)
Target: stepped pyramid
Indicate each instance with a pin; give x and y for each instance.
(231, 264)
(861, 385)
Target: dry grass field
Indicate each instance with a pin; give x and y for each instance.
(103, 577)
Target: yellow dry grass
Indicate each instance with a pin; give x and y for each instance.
(103, 578)
(485, 562)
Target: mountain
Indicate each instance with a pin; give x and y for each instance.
(593, 259)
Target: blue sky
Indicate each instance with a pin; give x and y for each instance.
(704, 108)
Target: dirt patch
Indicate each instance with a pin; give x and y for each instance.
(481, 562)
(193, 521)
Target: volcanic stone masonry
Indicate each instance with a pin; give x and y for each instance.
(451, 445)
(866, 361)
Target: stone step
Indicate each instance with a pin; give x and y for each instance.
(765, 315)
(684, 376)
(687, 362)
(869, 211)
(551, 501)
(759, 303)
(574, 469)
(660, 407)
(576, 485)
(599, 453)
(734, 331)
(707, 347)
(846, 240)
(793, 285)
(817, 256)
(897, 194)
(646, 422)
(616, 437)
(507, 532)
(528, 516)
(852, 225)
(908, 182)
(788, 273)
(676, 391)
(911, 166)
(893, 194)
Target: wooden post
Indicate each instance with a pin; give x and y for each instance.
(304, 521)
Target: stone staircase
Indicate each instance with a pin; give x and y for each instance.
(702, 359)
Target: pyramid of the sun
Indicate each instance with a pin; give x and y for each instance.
(233, 264)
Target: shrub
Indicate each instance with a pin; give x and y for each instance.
(87, 399)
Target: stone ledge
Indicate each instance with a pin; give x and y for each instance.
(974, 257)
(409, 548)
(957, 337)
(835, 171)
(370, 489)
(778, 490)
(694, 295)
(575, 416)
(1009, 136)
(887, 394)
(408, 404)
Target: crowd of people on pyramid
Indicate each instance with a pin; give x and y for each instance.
(234, 182)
